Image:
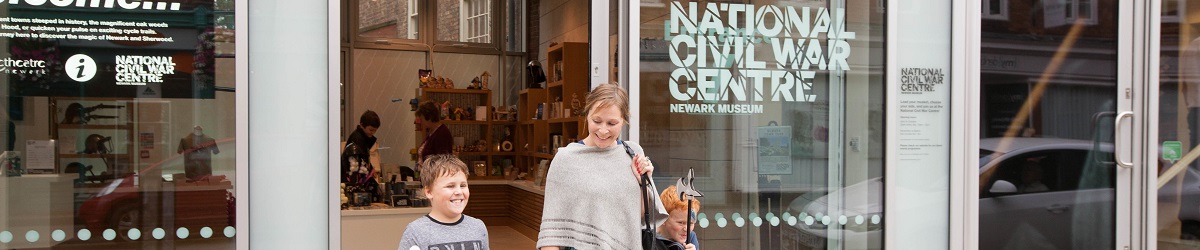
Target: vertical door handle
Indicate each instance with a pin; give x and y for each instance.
(1117, 140)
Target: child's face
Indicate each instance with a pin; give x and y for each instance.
(449, 194)
(676, 228)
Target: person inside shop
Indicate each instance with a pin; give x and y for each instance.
(445, 227)
(1031, 177)
(197, 149)
(677, 232)
(592, 187)
(362, 139)
(438, 139)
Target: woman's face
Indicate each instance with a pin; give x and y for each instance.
(604, 125)
(674, 228)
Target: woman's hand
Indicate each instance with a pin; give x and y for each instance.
(642, 164)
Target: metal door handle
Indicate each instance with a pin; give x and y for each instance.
(1117, 140)
(1058, 209)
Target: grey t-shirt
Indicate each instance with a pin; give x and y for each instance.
(425, 233)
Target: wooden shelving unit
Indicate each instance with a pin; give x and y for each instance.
(472, 130)
(548, 119)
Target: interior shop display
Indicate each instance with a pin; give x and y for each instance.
(76, 113)
(552, 117)
(10, 163)
(197, 149)
(536, 75)
(93, 133)
(468, 119)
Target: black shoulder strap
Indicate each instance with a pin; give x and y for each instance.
(647, 217)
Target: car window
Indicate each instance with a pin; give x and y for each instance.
(1052, 171)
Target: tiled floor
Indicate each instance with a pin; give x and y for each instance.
(505, 238)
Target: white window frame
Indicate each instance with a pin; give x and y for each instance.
(1180, 9)
(987, 9)
(1073, 11)
(475, 21)
(413, 18)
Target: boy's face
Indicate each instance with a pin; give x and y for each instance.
(675, 229)
(448, 194)
(369, 130)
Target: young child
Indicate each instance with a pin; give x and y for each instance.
(446, 227)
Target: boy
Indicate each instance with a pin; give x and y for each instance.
(446, 227)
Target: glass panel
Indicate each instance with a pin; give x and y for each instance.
(468, 21)
(1047, 117)
(515, 36)
(785, 137)
(119, 126)
(389, 19)
(1179, 130)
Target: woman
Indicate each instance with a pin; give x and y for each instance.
(592, 199)
(438, 139)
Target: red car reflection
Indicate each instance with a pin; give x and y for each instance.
(192, 204)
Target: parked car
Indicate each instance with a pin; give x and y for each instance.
(1036, 192)
(191, 203)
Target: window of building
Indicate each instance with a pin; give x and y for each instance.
(1172, 10)
(412, 19)
(1081, 9)
(476, 21)
(995, 9)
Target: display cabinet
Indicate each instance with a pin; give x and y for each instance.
(92, 136)
(552, 117)
(477, 136)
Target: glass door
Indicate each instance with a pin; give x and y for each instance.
(1177, 205)
(1057, 124)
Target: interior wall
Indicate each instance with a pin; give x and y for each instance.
(381, 76)
(561, 21)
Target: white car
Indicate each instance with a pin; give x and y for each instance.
(1036, 193)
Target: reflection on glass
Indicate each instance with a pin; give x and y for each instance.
(1179, 128)
(767, 133)
(389, 19)
(1046, 170)
(120, 122)
(515, 29)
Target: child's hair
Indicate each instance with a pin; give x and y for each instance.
(369, 118)
(607, 95)
(671, 201)
(440, 165)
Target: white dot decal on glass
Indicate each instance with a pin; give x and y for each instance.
(826, 220)
(808, 220)
(818, 215)
(58, 235)
(84, 234)
(755, 220)
(774, 221)
(770, 216)
(786, 215)
(738, 220)
(110, 234)
(32, 236)
(206, 232)
(791, 221)
(875, 219)
(5, 237)
(182, 233)
(158, 233)
(842, 220)
(703, 222)
(859, 219)
(230, 231)
(721, 222)
(135, 234)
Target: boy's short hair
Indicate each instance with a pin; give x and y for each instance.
(439, 165)
(369, 118)
(671, 201)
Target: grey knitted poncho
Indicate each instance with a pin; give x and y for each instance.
(592, 199)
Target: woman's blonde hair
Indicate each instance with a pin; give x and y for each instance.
(608, 95)
(671, 201)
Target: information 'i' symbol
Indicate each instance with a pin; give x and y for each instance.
(83, 66)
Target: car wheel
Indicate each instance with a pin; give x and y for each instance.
(124, 218)
(1190, 230)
